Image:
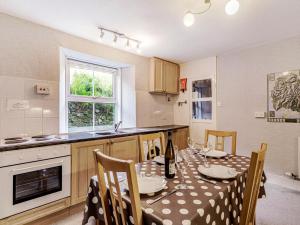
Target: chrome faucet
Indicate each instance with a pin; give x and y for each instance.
(117, 125)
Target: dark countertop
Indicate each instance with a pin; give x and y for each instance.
(89, 136)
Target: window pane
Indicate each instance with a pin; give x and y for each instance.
(202, 89)
(81, 82)
(202, 110)
(80, 116)
(104, 115)
(103, 84)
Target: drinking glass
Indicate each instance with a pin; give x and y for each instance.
(191, 143)
(181, 168)
(208, 148)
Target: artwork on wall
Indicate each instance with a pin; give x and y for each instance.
(284, 97)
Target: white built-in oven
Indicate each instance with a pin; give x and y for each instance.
(33, 177)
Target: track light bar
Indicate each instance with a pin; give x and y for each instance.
(118, 35)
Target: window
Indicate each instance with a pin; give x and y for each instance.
(91, 98)
(202, 99)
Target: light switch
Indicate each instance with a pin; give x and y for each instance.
(42, 89)
(259, 114)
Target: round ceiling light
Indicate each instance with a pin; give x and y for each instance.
(188, 19)
(232, 7)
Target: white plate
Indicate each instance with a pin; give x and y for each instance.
(214, 154)
(161, 159)
(149, 185)
(218, 171)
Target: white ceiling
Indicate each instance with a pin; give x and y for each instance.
(158, 23)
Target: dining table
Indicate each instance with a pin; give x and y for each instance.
(204, 201)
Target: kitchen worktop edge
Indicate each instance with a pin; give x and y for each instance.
(90, 136)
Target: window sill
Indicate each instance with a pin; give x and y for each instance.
(201, 121)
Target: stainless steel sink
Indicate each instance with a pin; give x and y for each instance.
(109, 132)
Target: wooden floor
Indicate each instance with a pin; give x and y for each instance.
(71, 216)
(75, 219)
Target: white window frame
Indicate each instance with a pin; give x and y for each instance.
(115, 99)
(211, 99)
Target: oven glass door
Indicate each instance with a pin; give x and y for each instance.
(34, 184)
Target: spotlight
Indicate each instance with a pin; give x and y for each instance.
(188, 19)
(115, 40)
(138, 49)
(101, 35)
(127, 44)
(232, 7)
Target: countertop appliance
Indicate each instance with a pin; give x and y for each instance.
(33, 177)
(30, 140)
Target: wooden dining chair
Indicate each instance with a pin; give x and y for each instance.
(111, 166)
(220, 139)
(151, 145)
(253, 186)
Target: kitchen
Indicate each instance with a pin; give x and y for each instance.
(75, 83)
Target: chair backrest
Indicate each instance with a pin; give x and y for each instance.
(253, 186)
(111, 166)
(148, 142)
(220, 139)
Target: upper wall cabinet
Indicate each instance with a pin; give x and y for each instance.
(164, 77)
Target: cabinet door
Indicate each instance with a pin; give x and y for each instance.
(83, 167)
(124, 148)
(171, 73)
(180, 137)
(158, 75)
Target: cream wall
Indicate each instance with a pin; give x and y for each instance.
(198, 69)
(30, 53)
(242, 90)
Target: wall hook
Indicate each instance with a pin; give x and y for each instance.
(181, 103)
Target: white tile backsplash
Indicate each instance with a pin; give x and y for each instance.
(11, 127)
(50, 125)
(50, 108)
(42, 115)
(5, 113)
(33, 126)
(35, 109)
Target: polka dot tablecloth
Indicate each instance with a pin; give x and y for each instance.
(202, 203)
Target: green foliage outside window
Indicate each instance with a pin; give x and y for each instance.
(82, 84)
(80, 114)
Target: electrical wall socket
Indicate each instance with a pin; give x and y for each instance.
(260, 114)
(42, 89)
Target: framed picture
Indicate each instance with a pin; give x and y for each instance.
(284, 97)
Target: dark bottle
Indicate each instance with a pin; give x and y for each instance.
(170, 158)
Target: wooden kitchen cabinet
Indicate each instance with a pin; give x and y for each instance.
(179, 137)
(171, 73)
(125, 148)
(83, 164)
(164, 77)
(83, 167)
(157, 77)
